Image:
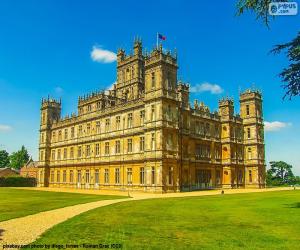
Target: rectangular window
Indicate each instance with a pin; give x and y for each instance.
(97, 176)
(117, 176)
(142, 143)
(42, 138)
(53, 155)
(66, 134)
(58, 154)
(129, 121)
(107, 125)
(52, 176)
(79, 176)
(72, 132)
(89, 108)
(88, 151)
(106, 176)
(129, 175)
(118, 147)
(153, 80)
(152, 112)
(87, 176)
(99, 105)
(71, 176)
(218, 177)
(88, 128)
(59, 135)
(79, 153)
(118, 123)
(53, 136)
(247, 110)
(71, 152)
(248, 133)
(142, 117)
(65, 153)
(97, 149)
(129, 145)
(153, 141)
(80, 130)
(64, 176)
(142, 176)
(152, 175)
(170, 175)
(58, 176)
(250, 175)
(98, 127)
(106, 148)
(42, 155)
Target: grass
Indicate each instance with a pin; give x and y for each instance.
(268, 220)
(17, 202)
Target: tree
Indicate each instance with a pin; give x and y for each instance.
(280, 173)
(4, 159)
(19, 158)
(291, 75)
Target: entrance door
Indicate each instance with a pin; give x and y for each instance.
(203, 178)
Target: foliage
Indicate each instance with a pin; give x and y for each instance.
(280, 174)
(4, 159)
(17, 181)
(19, 158)
(291, 75)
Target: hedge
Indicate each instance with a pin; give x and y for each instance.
(17, 181)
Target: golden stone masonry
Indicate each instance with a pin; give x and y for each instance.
(144, 135)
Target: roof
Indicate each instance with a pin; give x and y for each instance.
(31, 164)
(7, 168)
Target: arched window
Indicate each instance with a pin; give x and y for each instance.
(249, 152)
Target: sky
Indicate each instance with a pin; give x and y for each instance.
(67, 48)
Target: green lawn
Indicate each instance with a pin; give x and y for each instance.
(17, 202)
(240, 221)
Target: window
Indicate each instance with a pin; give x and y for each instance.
(153, 80)
(88, 150)
(87, 176)
(97, 149)
(72, 132)
(98, 131)
(129, 175)
(59, 135)
(207, 129)
(118, 147)
(66, 134)
(142, 175)
(153, 141)
(117, 176)
(152, 112)
(64, 176)
(218, 176)
(79, 176)
(142, 143)
(58, 154)
(142, 117)
(53, 155)
(248, 133)
(43, 118)
(53, 135)
(89, 108)
(129, 145)
(118, 123)
(129, 120)
(71, 152)
(79, 153)
(107, 125)
(152, 175)
(42, 138)
(52, 177)
(250, 175)
(249, 151)
(65, 153)
(106, 176)
(80, 130)
(247, 110)
(42, 155)
(58, 176)
(98, 105)
(97, 176)
(81, 111)
(106, 148)
(170, 175)
(88, 128)
(71, 176)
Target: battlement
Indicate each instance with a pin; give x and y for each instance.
(157, 54)
(50, 102)
(250, 94)
(183, 86)
(226, 101)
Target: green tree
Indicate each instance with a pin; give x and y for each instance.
(19, 158)
(4, 159)
(290, 76)
(280, 173)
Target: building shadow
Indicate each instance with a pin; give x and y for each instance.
(1, 233)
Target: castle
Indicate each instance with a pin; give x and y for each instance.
(143, 134)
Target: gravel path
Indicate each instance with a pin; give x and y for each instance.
(24, 230)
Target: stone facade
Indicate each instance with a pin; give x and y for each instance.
(144, 135)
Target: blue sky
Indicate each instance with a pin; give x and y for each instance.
(45, 48)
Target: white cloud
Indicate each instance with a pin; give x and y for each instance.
(206, 86)
(102, 56)
(5, 128)
(58, 90)
(276, 126)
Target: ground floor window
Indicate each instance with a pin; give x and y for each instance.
(97, 176)
(170, 175)
(218, 177)
(250, 175)
(79, 176)
(106, 176)
(87, 176)
(142, 175)
(52, 176)
(152, 175)
(129, 175)
(71, 176)
(240, 176)
(64, 176)
(117, 176)
(58, 176)
(203, 178)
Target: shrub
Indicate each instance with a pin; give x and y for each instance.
(17, 181)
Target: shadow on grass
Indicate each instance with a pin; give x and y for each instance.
(294, 205)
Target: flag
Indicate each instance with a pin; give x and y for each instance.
(160, 36)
